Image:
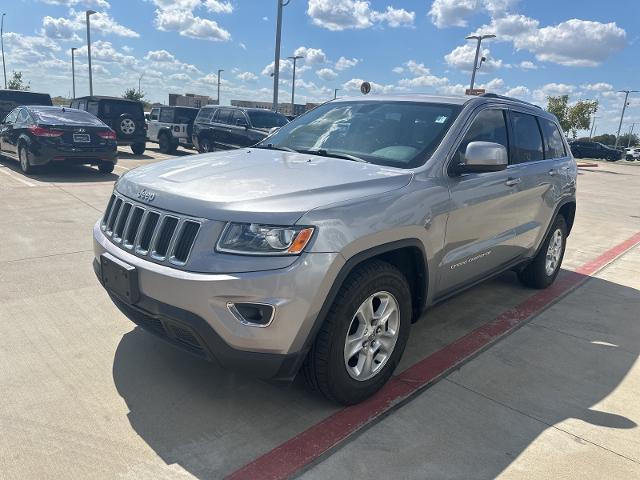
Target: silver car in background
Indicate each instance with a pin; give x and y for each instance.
(317, 248)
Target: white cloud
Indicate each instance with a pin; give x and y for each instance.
(451, 13)
(164, 60)
(180, 77)
(242, 46)
(102, 23)
(518, 92)
(312, 56)
(103, 51)
(398, 70)
(527, 65)
(422, 77)
(178, 16)
(344, 63)
(217, 6)
(326, 74)
(354, 84)
(82, 3)
(286, 68)
(59, 28)
(247, 76)
(495, 85)
(598, 87)
(354, 14)
(462, 58)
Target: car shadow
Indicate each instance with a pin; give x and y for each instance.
(212, 422)
(64, 173)
(128, 155)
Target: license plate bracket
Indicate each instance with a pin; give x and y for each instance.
(81, 138)
(119, 278)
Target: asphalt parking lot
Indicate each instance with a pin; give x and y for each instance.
(85, 394)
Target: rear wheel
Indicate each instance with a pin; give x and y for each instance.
(364, 335)
(138, 148)
(167, 145)
(106, 167)
(204, 146)
(25, 161)
(544, 268)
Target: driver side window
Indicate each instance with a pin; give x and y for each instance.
(488, 126)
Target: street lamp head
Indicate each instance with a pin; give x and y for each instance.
(90, 12)
(480, 37)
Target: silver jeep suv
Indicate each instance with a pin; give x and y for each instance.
(317, 248)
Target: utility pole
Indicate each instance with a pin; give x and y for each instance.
(624, 107)
(73, 69)
(219, 72)
(479, 39)
(4, 68)
(88, 14)
(335, 93)
(276, 61)
(295, 58)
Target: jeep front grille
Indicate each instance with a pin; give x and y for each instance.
(149, 232)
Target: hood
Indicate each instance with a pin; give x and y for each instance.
(257, 185)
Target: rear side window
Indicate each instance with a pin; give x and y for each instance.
(154, 114)
(185, 115)
(224, 115)
(23, 116)
(205, 114)
(267, 119)
(92, 108)
(488, 126)
(115, 109)
(527, 140)
(553, 144)
(239, 118)
(82, 104)
(166, 115)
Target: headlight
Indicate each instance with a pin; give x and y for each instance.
(255, 239)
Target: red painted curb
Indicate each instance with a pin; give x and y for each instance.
(297, 452)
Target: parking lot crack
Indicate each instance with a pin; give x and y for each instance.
(555, 427)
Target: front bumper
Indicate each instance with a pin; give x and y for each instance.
(190, 309)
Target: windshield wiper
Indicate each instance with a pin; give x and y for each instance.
(271, 146)
(327, 153)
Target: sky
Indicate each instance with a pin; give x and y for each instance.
(587, 49)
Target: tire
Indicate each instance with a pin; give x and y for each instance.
(126, 126)
(23, 158)
(106, 167)
(167, 145)
(204, 146)
(539, 274)
(138, 148)
(328, 368)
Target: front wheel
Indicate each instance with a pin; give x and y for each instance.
(364, 335)
(106, 167)
(204, 146)
(544, 268)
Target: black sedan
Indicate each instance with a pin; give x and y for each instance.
(40, 135)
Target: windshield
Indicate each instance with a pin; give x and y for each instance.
(266, 119)
(397, 134)
(66, 116)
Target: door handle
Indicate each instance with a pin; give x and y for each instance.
(510, 182)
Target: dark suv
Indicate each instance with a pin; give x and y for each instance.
(226, 128)
(125, 117)
(581, 149)
(10, 99)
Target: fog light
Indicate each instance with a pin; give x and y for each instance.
(252, 314)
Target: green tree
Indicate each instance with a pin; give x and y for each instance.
(133, 94)
(17, 83)
(572, 117)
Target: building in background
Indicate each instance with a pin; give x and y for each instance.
(283, 108)
(190, 100)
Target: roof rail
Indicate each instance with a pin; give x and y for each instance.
(503, 97)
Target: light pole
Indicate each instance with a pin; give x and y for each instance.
(139, 82)
(295, 58)
(479, 39)
(276, 61)
(624, 107)
(630, 134)
(88, 14)
(335, 93)
(593, 126)
(4, 69)
(73, 69)
(219, 72)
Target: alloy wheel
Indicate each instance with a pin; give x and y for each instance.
(554, 251)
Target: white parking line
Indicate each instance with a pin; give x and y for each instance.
(124, 168)
(3, 169)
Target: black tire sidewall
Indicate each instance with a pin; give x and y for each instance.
(535, 274)
(205, 141)
(344, 388)
(138, 148)
(23, 150)
(164, 143)
(106, 167)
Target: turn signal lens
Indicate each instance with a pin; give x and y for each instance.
(107, 134)
(300, 241)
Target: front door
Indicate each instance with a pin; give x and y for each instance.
(482, 219)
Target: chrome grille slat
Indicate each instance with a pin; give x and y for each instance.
(146, 232)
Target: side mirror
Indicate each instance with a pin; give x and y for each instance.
(273, 130)
(484, 157)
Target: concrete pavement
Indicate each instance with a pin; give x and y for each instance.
(87, 395)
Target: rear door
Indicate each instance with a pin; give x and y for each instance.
(222, 128)
(239, 130)
(6, 132)
(480, 229)
(538, 172)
